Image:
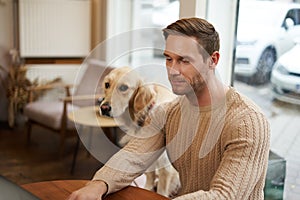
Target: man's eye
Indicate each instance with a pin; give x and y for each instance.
(185, 61)
(123, 88)
(107, 85)
(168, 59)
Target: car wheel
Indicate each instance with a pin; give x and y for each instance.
(264, 67)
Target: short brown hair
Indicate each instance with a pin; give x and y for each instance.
(203, 31)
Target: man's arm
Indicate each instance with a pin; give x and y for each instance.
(122, 168)
(127, 164)
(137, 156)
(130, 162)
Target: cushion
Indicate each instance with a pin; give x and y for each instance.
(48, 113)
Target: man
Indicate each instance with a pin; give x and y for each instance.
(217, 139)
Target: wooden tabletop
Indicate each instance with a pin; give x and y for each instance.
(61, 189)
(89, 116)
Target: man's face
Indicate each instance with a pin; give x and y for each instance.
(185, 65)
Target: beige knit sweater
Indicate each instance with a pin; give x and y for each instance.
(220, 152)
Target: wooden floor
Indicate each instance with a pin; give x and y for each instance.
(39, 161)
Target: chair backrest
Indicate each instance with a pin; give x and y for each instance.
(90, 82)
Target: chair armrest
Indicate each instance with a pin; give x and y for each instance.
(49, 86)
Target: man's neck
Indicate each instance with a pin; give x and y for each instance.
(212, 93)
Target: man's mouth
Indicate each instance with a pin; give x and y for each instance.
(177, 81)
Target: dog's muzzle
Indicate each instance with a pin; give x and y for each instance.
(105, 108)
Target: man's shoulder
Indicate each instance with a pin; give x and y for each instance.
(240, 102)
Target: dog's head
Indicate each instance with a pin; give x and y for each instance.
(125, 93)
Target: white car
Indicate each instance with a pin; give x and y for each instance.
(285, 77)
(266, 30)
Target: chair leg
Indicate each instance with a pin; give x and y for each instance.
(62, 145)
(29, 129)
(75, 155)
(63, 130)
(108, 134)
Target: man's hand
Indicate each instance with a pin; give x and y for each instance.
(94, 190)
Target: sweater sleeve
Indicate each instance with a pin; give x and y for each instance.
(130, 162)
(135, 158)
(244, 162)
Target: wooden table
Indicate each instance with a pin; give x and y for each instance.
(61, 189)
(89, 116)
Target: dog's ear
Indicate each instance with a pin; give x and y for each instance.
(143, 97)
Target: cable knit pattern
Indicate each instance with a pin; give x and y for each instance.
(220, 152)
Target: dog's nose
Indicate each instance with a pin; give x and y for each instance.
(105, 109)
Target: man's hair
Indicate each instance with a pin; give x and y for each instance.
(200, 29)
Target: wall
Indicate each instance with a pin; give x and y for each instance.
(99, 16)
(6, 43)
(98, 21)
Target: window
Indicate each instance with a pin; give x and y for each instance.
(267, 71)
(135, 37)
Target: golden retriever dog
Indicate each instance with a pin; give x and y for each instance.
(129, 100)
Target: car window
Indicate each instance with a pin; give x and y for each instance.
(291, 15)
(297, 16)
(294, 14)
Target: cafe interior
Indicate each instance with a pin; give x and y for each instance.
(54, 55)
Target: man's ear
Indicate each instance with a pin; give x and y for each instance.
(215, 56)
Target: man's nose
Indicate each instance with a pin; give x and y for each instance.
(174, 69)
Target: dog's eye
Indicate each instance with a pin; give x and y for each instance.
(123, 88)
(107, 85)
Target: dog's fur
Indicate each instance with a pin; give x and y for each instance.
(129, 101)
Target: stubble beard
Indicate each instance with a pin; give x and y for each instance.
(198, 84)
(192, 86)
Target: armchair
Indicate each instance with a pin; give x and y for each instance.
(53, 114)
